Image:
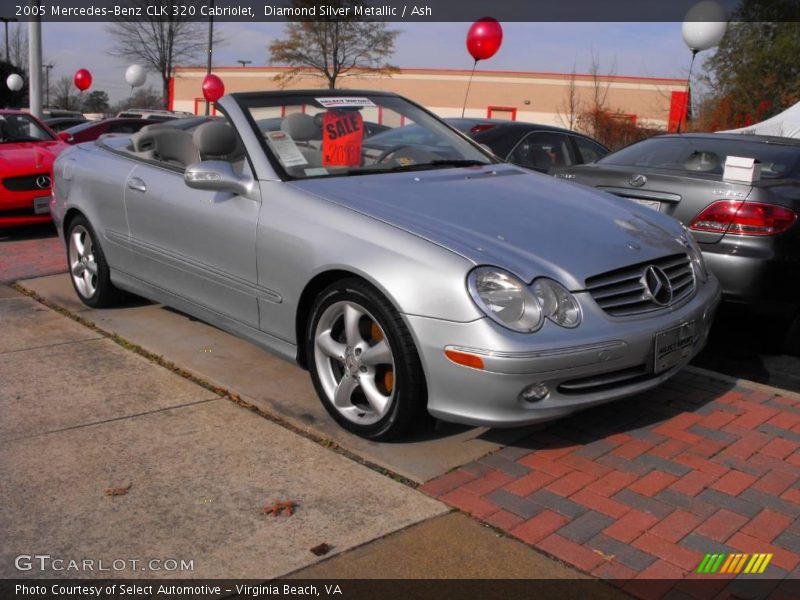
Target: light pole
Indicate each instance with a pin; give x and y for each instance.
(6, 21)
(47, 68)
(210, 48)
(35, 66)
(244, 63)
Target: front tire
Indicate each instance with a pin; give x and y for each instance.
(363, 362)
(88, 268)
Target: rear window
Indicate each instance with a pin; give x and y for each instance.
(706, 155)
(82, 127)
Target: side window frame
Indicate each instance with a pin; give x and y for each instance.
(567, 143)
(577, 150)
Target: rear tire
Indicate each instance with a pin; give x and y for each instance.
(88, 268)
(363, 362)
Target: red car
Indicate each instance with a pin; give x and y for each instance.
(91, 130)
(27, 150)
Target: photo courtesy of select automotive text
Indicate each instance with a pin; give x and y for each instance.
(376, 299)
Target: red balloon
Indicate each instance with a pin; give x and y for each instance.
(484, 38)
(82, 79)
(213, 88)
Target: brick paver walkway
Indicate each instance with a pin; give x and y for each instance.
(24, 257)
(643, 489)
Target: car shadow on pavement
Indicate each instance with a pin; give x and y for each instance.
(636, 417)
(745, 345)
(28, 232)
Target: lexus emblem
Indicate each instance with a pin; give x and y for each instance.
(657, 286)
(637, 180)
(43, 182)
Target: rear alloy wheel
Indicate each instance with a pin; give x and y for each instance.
(87, 266)
(363, 362)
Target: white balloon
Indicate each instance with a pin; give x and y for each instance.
(14, 82)
(704, 25)
(135, 75)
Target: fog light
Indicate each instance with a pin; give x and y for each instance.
(534, 392)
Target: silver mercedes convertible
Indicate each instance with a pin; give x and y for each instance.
(412, 277)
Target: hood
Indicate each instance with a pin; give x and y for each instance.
(531, 224)
(29, 157)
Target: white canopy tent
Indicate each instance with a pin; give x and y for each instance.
(785, 124)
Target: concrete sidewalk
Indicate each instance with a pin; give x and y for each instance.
(271, 384)
(107, 456)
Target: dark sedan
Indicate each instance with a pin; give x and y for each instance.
(747, 230)
(533, 146)
(91, 130)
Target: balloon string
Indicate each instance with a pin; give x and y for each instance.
(469, 84)
(687, 111)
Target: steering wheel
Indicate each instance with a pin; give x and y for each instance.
(414, 153)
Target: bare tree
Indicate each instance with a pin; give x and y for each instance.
(334, 48)
(592, 117)
(160, 43)
(63, 94)
(570, 109)
(18, 45)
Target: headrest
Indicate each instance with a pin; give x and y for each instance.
(301, 127)
(215, 138)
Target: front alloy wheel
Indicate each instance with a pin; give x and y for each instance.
(355, 363)
(363, 362)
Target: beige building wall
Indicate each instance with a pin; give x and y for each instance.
(536, 97)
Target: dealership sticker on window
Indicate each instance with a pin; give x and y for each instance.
(342, 133)
(344, 102)
(286, 150)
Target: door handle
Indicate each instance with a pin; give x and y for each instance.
(137, 184)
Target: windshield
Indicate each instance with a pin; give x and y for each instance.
(706, 155)
(22, 128)
(322, 133)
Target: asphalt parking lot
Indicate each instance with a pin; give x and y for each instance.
(638, 490)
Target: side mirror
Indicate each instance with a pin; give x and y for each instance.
(216, 176)
(65, 137)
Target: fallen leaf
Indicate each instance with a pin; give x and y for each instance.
(119, 491)
(321, 550)
(279, 508)
(606, 557)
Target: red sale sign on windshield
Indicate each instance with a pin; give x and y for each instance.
(342, 133)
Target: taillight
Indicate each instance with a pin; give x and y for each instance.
(744, 218)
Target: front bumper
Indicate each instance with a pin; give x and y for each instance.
(17, 208)
(602, 360)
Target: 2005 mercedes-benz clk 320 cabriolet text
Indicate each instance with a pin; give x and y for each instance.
(425, 276)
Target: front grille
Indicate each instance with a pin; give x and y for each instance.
(622, 292)
(605, 381)
(27, 183)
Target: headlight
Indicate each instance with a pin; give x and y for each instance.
(505, 299)
(508, 301)
(557, 303)
(695, 254)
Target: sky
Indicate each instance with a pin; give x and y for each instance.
(640, 49)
